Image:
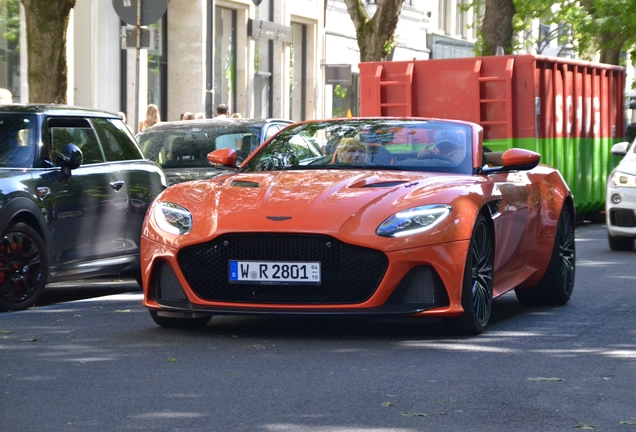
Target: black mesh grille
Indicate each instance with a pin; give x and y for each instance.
(421, 286)
(623, 218)
(350, 274)
(165, 285)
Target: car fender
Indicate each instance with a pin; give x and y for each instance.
(20, 205)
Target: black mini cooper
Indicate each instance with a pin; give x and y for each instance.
(74, 189)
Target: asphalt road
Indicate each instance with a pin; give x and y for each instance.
(101, 364)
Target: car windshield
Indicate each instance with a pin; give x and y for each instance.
(419, 145)
(17, 140)
(185, 146)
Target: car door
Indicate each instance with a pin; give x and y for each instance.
(516, 208)
(142, 179)
(88, 208)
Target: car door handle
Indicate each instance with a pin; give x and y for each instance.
(117, 185)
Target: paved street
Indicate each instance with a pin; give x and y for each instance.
(101, 364)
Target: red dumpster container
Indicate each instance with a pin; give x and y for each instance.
(569, 111)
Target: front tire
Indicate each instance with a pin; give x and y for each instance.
(618, 243)
(478, 281)
(23, 267)
(556, 286)
(184, 323)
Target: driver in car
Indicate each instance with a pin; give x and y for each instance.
(350, 151)
(448, 145)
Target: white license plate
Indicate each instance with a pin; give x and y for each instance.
(274, 272)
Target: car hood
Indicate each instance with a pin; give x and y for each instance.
(345, 203)
(627, 164)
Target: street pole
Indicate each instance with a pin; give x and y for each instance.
(137, 67)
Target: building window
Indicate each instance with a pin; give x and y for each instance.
(461, 18)
(10, 47)
(225, 57)
(298, 73)
(345, 99)
(443, 16)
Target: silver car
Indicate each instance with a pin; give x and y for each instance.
(181, 147)
(620, 202)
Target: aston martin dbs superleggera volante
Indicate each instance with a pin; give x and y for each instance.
(369, 216)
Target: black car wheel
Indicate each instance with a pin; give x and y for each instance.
(556, 286)
(618, 243)
(188, 323)
(478, 281)
(23, 267)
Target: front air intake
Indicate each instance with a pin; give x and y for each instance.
(350, 274)
(165, 285)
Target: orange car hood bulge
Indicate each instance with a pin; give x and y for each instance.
(351, 203)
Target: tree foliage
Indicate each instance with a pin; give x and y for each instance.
(605, 26)
(46, 24)
(376, 35)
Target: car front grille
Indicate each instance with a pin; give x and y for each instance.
(350, 274)
(624, 218)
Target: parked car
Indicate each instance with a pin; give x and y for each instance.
(181, 147)
(374, 216)
(620, 201)
(74, 190)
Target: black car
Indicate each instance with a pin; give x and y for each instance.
(74, 190)
(181, 147)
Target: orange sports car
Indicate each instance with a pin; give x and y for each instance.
(375, 216)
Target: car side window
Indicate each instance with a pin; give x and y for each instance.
(271, 130)
(118, 145)
(78, 132)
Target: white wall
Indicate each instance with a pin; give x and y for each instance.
(94, 66)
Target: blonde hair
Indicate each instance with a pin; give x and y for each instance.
(152, 117)
(347, 146)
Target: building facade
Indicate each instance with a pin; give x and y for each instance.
(292, 59)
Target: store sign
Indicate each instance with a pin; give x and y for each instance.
(338, 74)
(259, 29)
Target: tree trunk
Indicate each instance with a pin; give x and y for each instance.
(46, 24)
(375, 35)
(497, 26)
(611, 45)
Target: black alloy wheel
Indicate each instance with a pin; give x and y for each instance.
(23, 267)
(478, 281)
(556, 286)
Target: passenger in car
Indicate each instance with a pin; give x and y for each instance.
(448, 144)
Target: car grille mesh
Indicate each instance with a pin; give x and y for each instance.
(624, 218)
(350, 274)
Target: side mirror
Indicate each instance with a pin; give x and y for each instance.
(69, 158)
(620, 149)
(514, 159)
(226, 157)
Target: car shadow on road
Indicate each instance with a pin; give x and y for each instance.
(85, 289)
(505, 310)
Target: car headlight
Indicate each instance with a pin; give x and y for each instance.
(619, 179)
(413, 221)
(173, 218)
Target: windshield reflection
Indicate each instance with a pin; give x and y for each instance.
(420, 145)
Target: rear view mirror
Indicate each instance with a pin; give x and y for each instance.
(69, 158)
(620, 149)
(226, 157)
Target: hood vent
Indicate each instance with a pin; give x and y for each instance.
(243, 183)
(384, 184)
